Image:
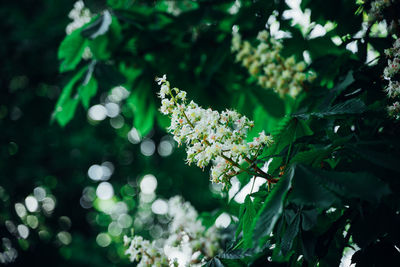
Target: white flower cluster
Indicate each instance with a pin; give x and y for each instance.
(377, 7)
(381, 10)
(80, 15)
(210, 135)
(187, 237)
(144, 252)
(264, 62)
(391, 73)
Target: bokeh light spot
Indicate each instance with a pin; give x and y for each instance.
(125, 221)
(64, 237)
(31, 203)
(20, 209)
(165, 148)
(112, 109)
(105, 191)
(159, 207)
(147, 147)
(39, 193)
(97, 113)
(23, 231)
(32, 221)
(103, 240)
(134, 136)
(148, 184)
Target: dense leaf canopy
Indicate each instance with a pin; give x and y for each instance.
(86, 157)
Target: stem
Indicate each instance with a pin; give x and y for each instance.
(237, 165)
(252, 186)
(256, 168)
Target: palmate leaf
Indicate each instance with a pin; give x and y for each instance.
(71, 50)
(288, 131)
(248, 218)
(290, 234)
(308, 191)
(375, 157)
(217, 262)
(321, 188)
(313, 157)
(341, 86)
(270, 211)
(350, 107)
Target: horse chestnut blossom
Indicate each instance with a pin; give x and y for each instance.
(211, 136)
(144, 252)
(80, 15)
(185, 234)
(391, 74)
(384, 10)
(264, 62)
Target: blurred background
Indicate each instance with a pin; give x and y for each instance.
(68, 195)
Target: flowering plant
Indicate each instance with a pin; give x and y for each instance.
(186, 235)
(305, 151)
(212, 136)
(284, 76)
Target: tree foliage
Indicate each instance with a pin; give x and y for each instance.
(332, 169)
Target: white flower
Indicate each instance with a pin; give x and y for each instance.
(209, 135)
(186, 234)
(80, 16)
(391, 73)
(161, 80)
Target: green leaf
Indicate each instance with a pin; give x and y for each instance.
(143, 107)
(308, 219)
(222, 262)
(87, 91)
(248, 218)
(271, 210)
(276, 163)
(375, 157)
(323, 46)
(88, 88)
(307, 190)
(99, 48)
(352, 106)
(66, 104)
(272, 103)
(289, 130)
(341, 86)
(352, 185)
(312, 157)
(98, 26)
(262, 122)
(71, 50)
(215, 262)
(322, 188)
(236, 254)
(290, 234)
